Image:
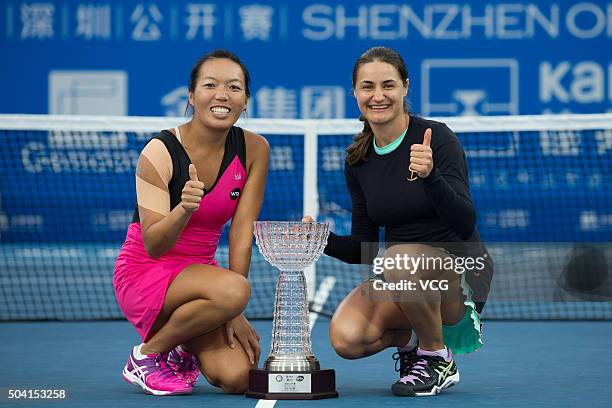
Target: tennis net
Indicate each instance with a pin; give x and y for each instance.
(541, 186)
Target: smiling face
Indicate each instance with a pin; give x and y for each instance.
(219, 95)
(380, 92)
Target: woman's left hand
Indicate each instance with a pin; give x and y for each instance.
(239, 328)
(421, 157)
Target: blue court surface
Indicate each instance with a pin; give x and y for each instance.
(523, 364)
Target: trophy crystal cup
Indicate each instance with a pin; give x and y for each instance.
(291, 371)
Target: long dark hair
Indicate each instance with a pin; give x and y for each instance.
(362, 142)
(218, 54)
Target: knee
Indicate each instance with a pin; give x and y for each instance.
(231, 381)
(235, 295)
(412, 257)
(346, 339)
(409, 250)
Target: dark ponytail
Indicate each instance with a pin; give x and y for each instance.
(362, 143)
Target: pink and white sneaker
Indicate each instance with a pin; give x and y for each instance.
(151, 373)
(184, 364)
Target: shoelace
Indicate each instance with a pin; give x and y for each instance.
(186, 364)
(165, 372)
(405, 360)
(417, 371)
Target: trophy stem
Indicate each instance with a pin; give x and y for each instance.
(291, 349)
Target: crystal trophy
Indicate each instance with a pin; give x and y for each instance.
(291, 371)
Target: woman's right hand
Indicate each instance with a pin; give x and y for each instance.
(192, 192)
(307, 218)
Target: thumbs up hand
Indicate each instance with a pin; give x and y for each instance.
(192, 192)
(421, 157)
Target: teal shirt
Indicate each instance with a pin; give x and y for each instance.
(391, 146)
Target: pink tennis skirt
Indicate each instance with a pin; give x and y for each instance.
(141, 282)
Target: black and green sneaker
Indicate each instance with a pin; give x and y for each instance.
(428, 375)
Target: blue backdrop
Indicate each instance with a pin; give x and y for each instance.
(493, 57)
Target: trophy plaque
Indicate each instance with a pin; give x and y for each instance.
(291, 371)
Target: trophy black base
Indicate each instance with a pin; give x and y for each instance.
(292, 385)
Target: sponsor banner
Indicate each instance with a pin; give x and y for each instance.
(469, 57)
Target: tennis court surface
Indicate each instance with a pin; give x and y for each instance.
(523, 364)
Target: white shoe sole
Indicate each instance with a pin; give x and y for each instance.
(132, 379)
(449, 382)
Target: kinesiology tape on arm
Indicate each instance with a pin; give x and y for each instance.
(153, 174)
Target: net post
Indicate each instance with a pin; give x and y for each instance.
(311, 196)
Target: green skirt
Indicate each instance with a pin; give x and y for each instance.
(465, 336)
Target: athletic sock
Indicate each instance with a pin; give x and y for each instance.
(444, 353)
(411, 345)
(138, 354)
